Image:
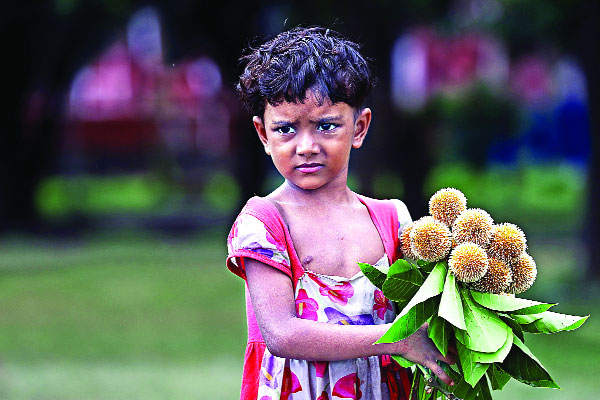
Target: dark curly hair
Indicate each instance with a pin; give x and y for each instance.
(301, 59)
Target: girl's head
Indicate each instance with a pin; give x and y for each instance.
(300, 60)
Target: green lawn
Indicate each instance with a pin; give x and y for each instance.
(139, 317)
(142, 317)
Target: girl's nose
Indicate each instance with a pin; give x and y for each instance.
(306, 144)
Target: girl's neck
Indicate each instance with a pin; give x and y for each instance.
(323, 197)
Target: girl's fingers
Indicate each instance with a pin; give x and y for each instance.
(452, 350)
(449, 359)
(440, 373)
(451, 355)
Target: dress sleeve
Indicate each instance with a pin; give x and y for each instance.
(250, 237)
(404, 218)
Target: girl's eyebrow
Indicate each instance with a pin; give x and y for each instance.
(329, 118)
(325, 119)
(282, 122)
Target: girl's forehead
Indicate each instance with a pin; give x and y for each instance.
(311, 108)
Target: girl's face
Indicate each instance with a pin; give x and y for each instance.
(310, 143)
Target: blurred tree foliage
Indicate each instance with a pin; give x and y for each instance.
(47, 41)
(475, 121)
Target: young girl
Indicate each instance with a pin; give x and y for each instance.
(312, 315)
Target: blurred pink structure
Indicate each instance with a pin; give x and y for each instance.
(128, 101)
(425, 64)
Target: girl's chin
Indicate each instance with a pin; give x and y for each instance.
(308, 185)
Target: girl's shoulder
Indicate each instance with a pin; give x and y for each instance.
(257, 216)
(389, 208)
(259, 233)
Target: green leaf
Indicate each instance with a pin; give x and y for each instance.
(403, 281)
(375, 275)
(506, 303)
(516, 328)
(481, 391)
(439, 332)
(422, 394)
(408, 323)
(536, 309)
(417, 377)
(552, 322)
(451, 308)
(471, 369)
(525, 319)
(433, 285)
(461, 388)
(426, 265)
(422, 263)
(497, 356)
(485, 332)
(421, 376)
(497, 377)
(403, 361)
(522, 365)
(485, 393)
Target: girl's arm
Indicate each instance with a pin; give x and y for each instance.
(291, 337)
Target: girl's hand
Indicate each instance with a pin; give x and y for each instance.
(420, 349)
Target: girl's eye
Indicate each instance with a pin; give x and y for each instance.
(326, 127)
(285, 130)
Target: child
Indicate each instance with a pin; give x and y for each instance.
(312, 315)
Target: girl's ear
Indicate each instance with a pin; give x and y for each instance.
(361, 126)
(262, 133)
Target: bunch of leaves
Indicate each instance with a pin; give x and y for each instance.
(486, 329)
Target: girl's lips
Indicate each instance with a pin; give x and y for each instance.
(309, 168)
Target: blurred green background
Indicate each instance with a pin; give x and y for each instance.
(134, 317)
(126, 158)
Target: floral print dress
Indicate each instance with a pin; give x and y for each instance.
(334, 300)
(328, 299)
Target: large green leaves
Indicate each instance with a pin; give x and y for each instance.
(471, 369)
(522, 365)
(439, 332)
(497, 377)
(403, 362)
(461, 388)
(509, 303)
(516, 328)
(485, 332)
(481, 391)
(525, 319)
(464, 390)
(433, 285)
(419, 308)
(403, 281)
(426, 266)
(451, 308)
(497, 356)
(376, 276)
(409, 322)
(551, 322)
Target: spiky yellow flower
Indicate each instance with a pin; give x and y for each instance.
(430, 240)
(507, 242)
(473, 225)
(446, 204)
(524, 272)
(405, 242)
(496, 279)
(468, 262)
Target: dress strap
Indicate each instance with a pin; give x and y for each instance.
(385, 217)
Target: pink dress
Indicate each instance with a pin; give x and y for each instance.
(260, 233)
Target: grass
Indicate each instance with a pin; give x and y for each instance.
(215, 378)
(142, 317)
(137, 315)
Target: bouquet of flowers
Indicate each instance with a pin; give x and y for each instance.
(460, 274)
